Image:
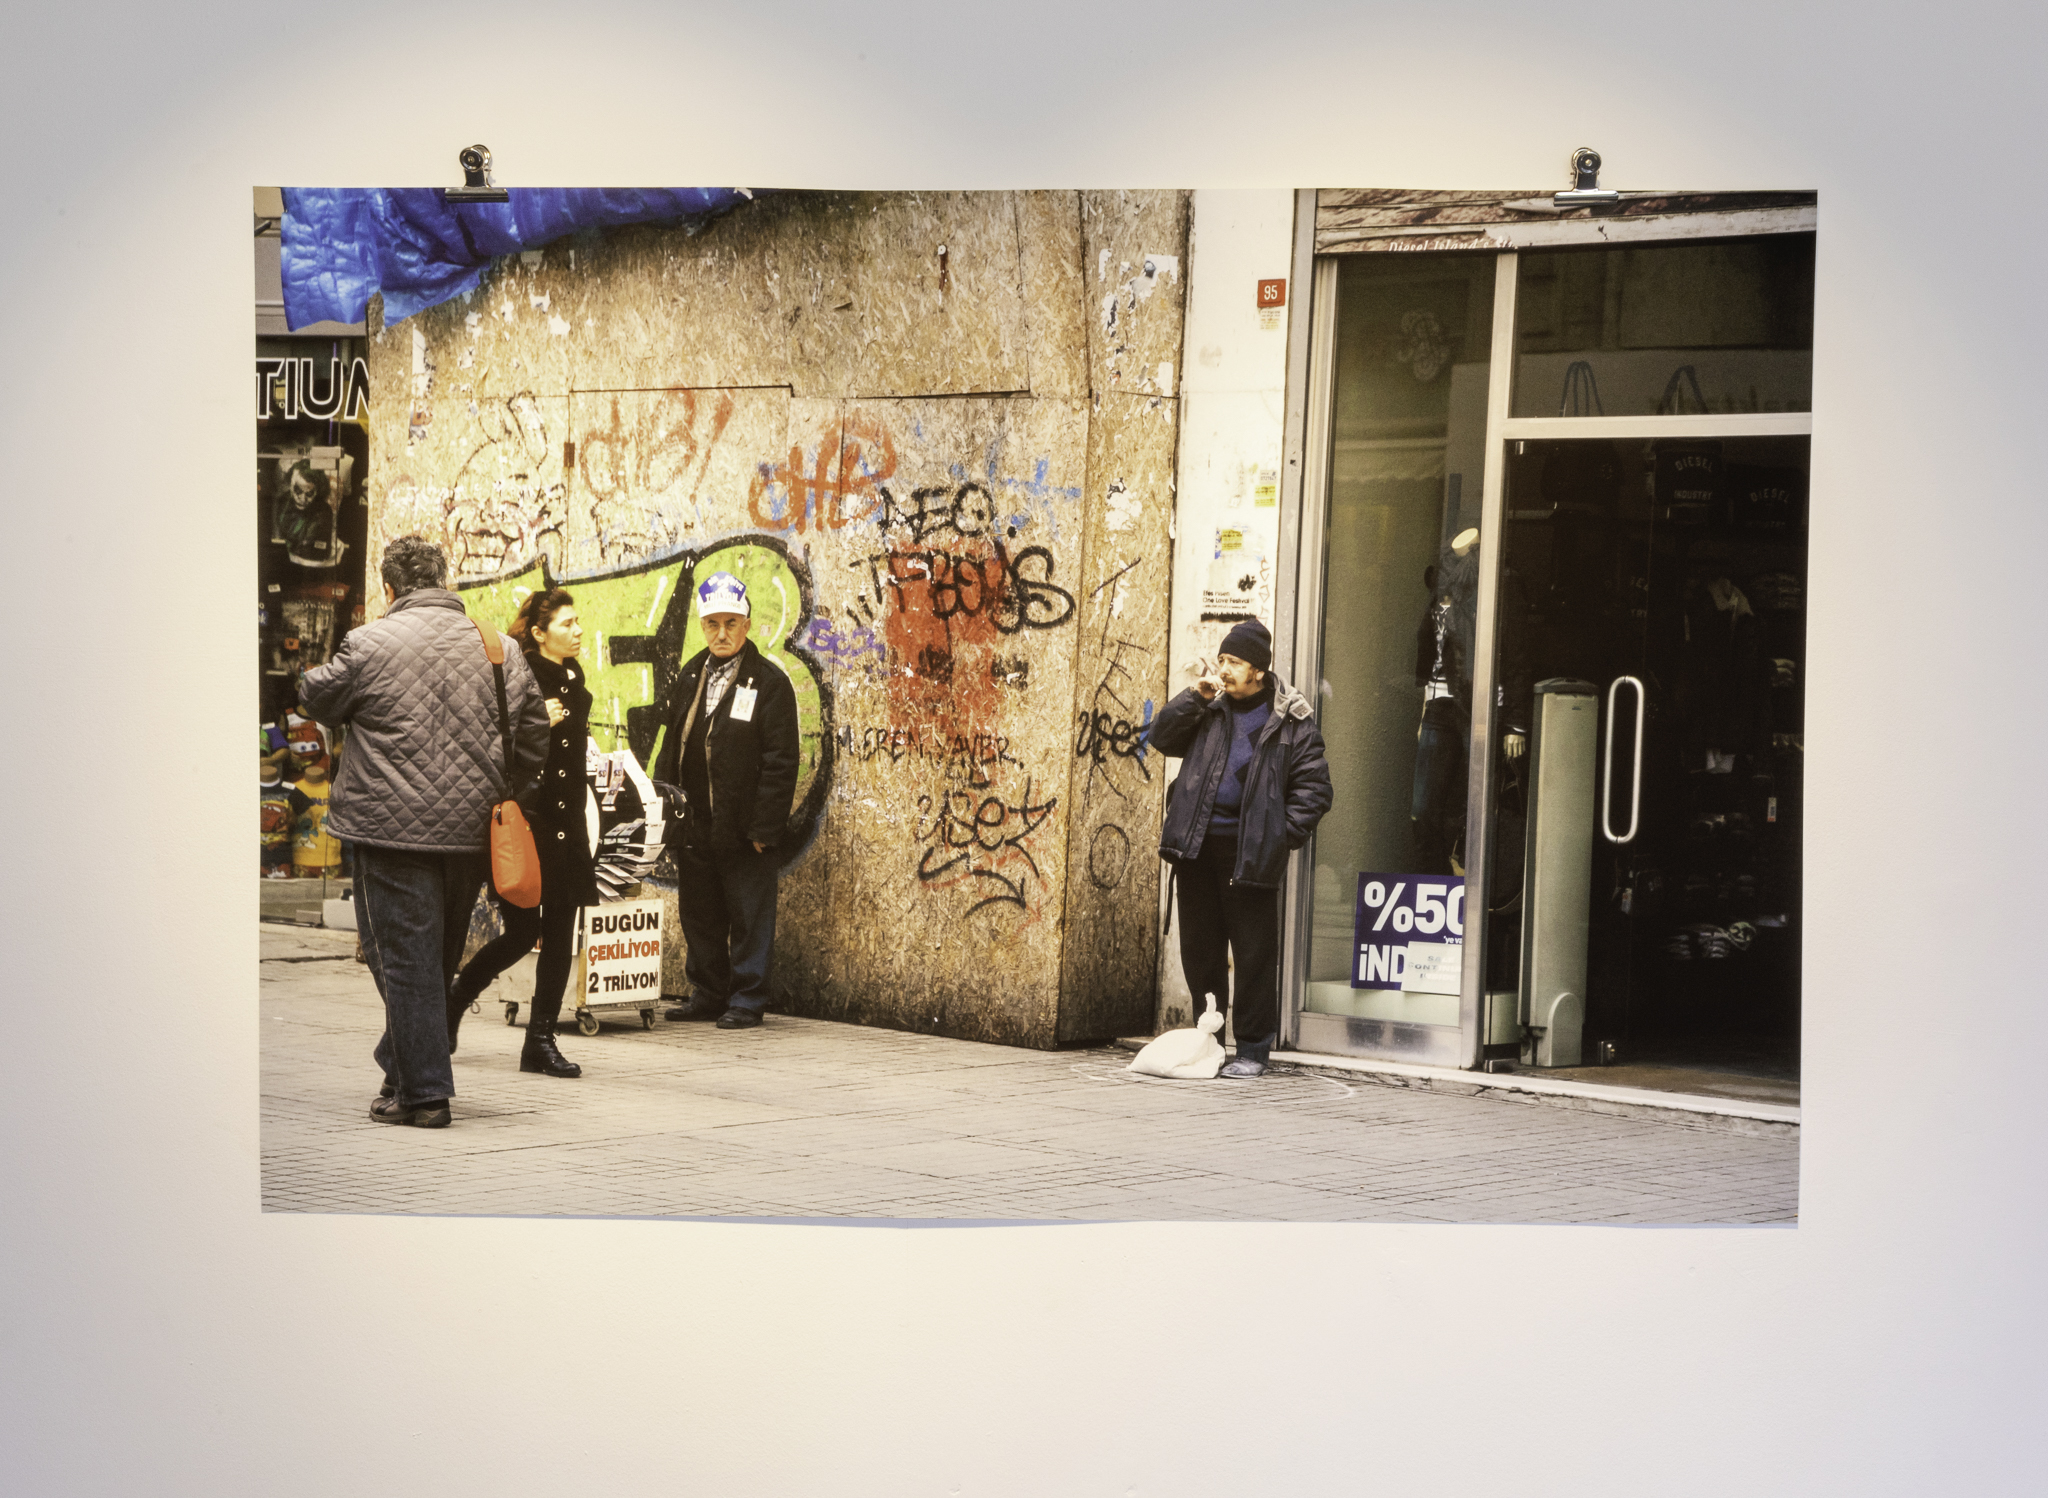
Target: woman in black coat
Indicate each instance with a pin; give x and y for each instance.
(548, 631)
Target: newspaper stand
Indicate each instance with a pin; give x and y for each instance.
(617, 966)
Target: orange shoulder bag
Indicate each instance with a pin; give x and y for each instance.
(515, 865)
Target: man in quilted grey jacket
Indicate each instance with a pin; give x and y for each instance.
(425, 762)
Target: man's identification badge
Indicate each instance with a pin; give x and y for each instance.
(743, 704)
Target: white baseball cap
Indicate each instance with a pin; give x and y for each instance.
(722, 593)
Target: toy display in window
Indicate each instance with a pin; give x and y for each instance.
(306, 742)
(276, 820)
(316, 852)
(310, 615)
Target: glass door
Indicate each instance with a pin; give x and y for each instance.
(1658, 585)
(1642, 842)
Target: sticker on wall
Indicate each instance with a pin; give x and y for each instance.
(422, 383)
(1235, 572)
(1272, 301)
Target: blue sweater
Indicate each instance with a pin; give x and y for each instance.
(1246, 719)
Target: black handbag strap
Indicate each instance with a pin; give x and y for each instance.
(495, 651)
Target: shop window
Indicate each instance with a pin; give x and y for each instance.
(1408, 453)
(1713, 327)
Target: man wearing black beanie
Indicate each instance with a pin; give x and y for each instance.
(1252, 786)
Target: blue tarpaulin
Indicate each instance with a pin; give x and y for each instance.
(343, 244)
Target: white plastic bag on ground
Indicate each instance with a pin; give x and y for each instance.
(1195, 1054)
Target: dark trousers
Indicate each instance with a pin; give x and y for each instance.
(727, 905)
(553, 925)
(1215, 918)
(412, 910)
(1437, 801)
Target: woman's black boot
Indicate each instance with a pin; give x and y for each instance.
(459, 1000)
(541, 1054)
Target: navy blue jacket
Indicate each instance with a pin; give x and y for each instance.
(1286, 790)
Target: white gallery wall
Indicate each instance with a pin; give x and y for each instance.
(161, 1335)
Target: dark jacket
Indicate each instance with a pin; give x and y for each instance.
(556, 806)
(1286, 790)
(751, 763)
(425, 762)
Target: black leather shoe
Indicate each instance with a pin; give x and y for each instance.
(432, 1115)
(698, 1008)
(739, 1019)
(541, 1054)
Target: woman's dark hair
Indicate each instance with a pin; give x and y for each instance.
(536, 614)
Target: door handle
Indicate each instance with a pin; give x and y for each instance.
(1635, 798)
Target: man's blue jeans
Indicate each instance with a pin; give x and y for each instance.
(413, 912)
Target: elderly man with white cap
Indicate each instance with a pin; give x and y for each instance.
(729, 758)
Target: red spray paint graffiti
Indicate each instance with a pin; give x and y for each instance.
(841, 485)
(941, 634)
(663, 445)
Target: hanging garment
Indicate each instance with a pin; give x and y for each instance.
(1721, 694)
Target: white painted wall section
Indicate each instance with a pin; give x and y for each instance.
(1233, 392)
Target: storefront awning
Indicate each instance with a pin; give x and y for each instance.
(341, 245)
(1354, 221)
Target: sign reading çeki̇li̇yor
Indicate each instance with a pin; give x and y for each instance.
(1398, 913)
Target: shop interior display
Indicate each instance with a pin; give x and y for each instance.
(276, 805)
(1681, 565)
(310, 530)
(296, 780)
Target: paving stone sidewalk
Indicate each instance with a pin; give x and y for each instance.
(810, 1119)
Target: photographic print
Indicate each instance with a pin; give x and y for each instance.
(1039, 705)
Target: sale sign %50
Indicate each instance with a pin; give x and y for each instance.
(1397, 910)
(1429, 909)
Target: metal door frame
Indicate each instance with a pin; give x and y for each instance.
(1312, 362)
